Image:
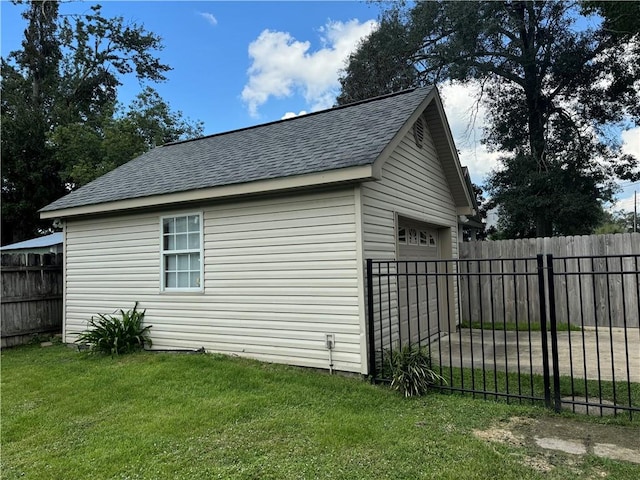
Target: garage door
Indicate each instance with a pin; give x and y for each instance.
(418, 294)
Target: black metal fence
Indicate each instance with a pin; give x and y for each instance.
(559, 331)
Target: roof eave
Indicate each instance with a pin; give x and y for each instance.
(330, 177)
(462, 196)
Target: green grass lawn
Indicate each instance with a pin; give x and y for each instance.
(521, 326)
(66, 415)
(621, 393)
(529, 389)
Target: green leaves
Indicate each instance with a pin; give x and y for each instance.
(61, 127)
(564, 197)
(559, 81)
(115, 335)
(155, 122)
(87, 150)
(380, 65)
(411, 369)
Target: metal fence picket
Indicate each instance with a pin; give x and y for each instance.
(495, 289)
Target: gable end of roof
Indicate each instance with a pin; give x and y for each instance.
(342, 144)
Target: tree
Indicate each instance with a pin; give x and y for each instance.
(382, 64)
(60, 126)
(29, 174)
(617, 222)
(87, 150)
(555, 92)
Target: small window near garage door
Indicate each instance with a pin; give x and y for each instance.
(416, 240)
(402, 235)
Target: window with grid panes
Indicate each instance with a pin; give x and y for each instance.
(182, 252)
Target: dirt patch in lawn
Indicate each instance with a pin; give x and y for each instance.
(547, 438)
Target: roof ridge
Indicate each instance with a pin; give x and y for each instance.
(297, 117)
(332, 140)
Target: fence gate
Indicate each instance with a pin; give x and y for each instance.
(560, 331)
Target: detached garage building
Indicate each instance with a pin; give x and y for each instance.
(253, 242)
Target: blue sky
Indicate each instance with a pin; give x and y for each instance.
(207, 44)
(237, 64)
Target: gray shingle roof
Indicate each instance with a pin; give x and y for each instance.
(340, 137)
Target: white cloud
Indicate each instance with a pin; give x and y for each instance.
(631, 142)
(624, 203)
(293, 114)
(283, 66)
(209, 18)
(631, 146)
(466, 119)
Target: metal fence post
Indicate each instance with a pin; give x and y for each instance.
(370, 321)
(543, 331)
(557, 402)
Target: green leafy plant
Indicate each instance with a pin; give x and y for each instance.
(411, 369)
(116, 335)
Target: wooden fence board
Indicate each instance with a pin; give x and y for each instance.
(597, 291)
(31, 299)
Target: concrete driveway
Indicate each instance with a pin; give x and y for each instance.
(594, 354)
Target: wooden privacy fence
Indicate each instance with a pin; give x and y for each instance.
(31, 296)
(597, 276)
(578, 246)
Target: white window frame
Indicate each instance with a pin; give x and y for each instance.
(423, 234)
(400, 231)
(164, 253)
(411, 238)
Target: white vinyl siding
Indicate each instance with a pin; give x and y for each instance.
(279, 274)
(413, 186)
